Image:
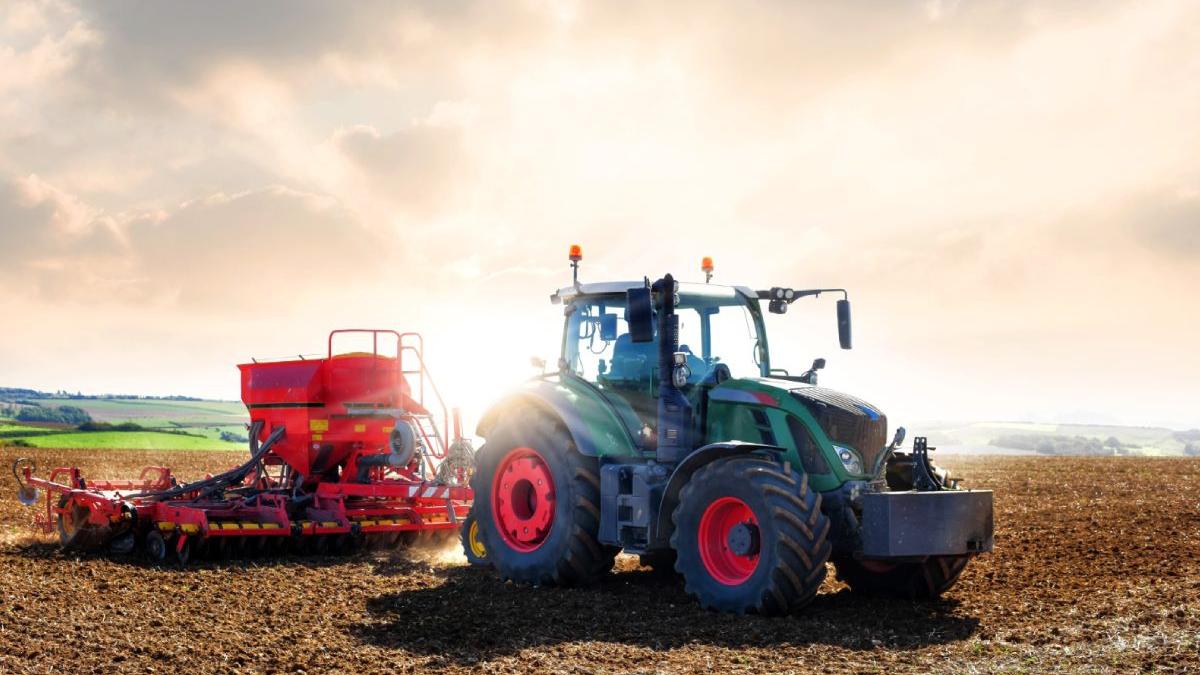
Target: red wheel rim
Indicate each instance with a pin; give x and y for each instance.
(523, 499)
(718, 521)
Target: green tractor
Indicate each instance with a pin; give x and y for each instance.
(666, 432)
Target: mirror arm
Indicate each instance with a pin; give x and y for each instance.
(815, 292)
(806, 293)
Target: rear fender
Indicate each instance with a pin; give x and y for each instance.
(590, 420)
(692, 463)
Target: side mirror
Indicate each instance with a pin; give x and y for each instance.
(843, 319)
(538, 363)
(818, 364)
(641, 314)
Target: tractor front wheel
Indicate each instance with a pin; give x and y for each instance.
(537, 501)
(750, 537)
(912, 580)
(925, 580)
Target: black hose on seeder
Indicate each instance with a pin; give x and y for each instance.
(227, 479)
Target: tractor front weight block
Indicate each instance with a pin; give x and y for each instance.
(920, 524)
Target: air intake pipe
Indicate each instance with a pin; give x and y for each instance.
(674, 411)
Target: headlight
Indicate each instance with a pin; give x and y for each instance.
(849, 458)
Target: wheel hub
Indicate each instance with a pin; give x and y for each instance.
(729, 541)
(743, 539)
(523, 499)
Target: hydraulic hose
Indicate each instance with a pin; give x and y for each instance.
(226, 479)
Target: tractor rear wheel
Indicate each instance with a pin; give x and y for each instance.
(537, 503)
(912, 580)
(750, 537)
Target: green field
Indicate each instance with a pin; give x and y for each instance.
(16, 428)
(158, 413)
(195, 425)
(132, 440)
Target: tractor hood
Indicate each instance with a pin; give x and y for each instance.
(845, 420)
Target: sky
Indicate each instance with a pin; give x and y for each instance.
(1010, 190)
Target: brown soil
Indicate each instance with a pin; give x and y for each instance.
(1097, 567)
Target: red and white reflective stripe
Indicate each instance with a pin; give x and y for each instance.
(434, 492)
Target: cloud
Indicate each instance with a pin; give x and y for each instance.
(152, 49)
(264, 248)
(414, 169)
(1168, 224)
(991, 177)
(41, 222)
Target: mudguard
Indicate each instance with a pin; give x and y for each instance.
(690, 464)
(589, 418)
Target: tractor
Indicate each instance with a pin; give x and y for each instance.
(666, 431)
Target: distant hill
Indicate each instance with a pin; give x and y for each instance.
(41, 419)
(12, 394)
(1059, 439)
(223, 424)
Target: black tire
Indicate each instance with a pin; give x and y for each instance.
(472, 542)
(155, 546)
(792, 536)
(570, 553)
(926, 580)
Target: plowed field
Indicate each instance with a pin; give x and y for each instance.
(1096, 568)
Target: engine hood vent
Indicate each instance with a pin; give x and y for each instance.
(847, 420)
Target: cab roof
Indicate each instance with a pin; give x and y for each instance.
(569, 293)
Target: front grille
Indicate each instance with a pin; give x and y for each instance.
(847, 421)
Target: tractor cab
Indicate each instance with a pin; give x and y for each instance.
(721, 336)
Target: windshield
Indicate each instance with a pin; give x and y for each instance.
(713, 331)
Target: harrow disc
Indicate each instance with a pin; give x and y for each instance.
(183, 555)
(26, 494)
(74, 530)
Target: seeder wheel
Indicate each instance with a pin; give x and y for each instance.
(472, 542)
(156, 546)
